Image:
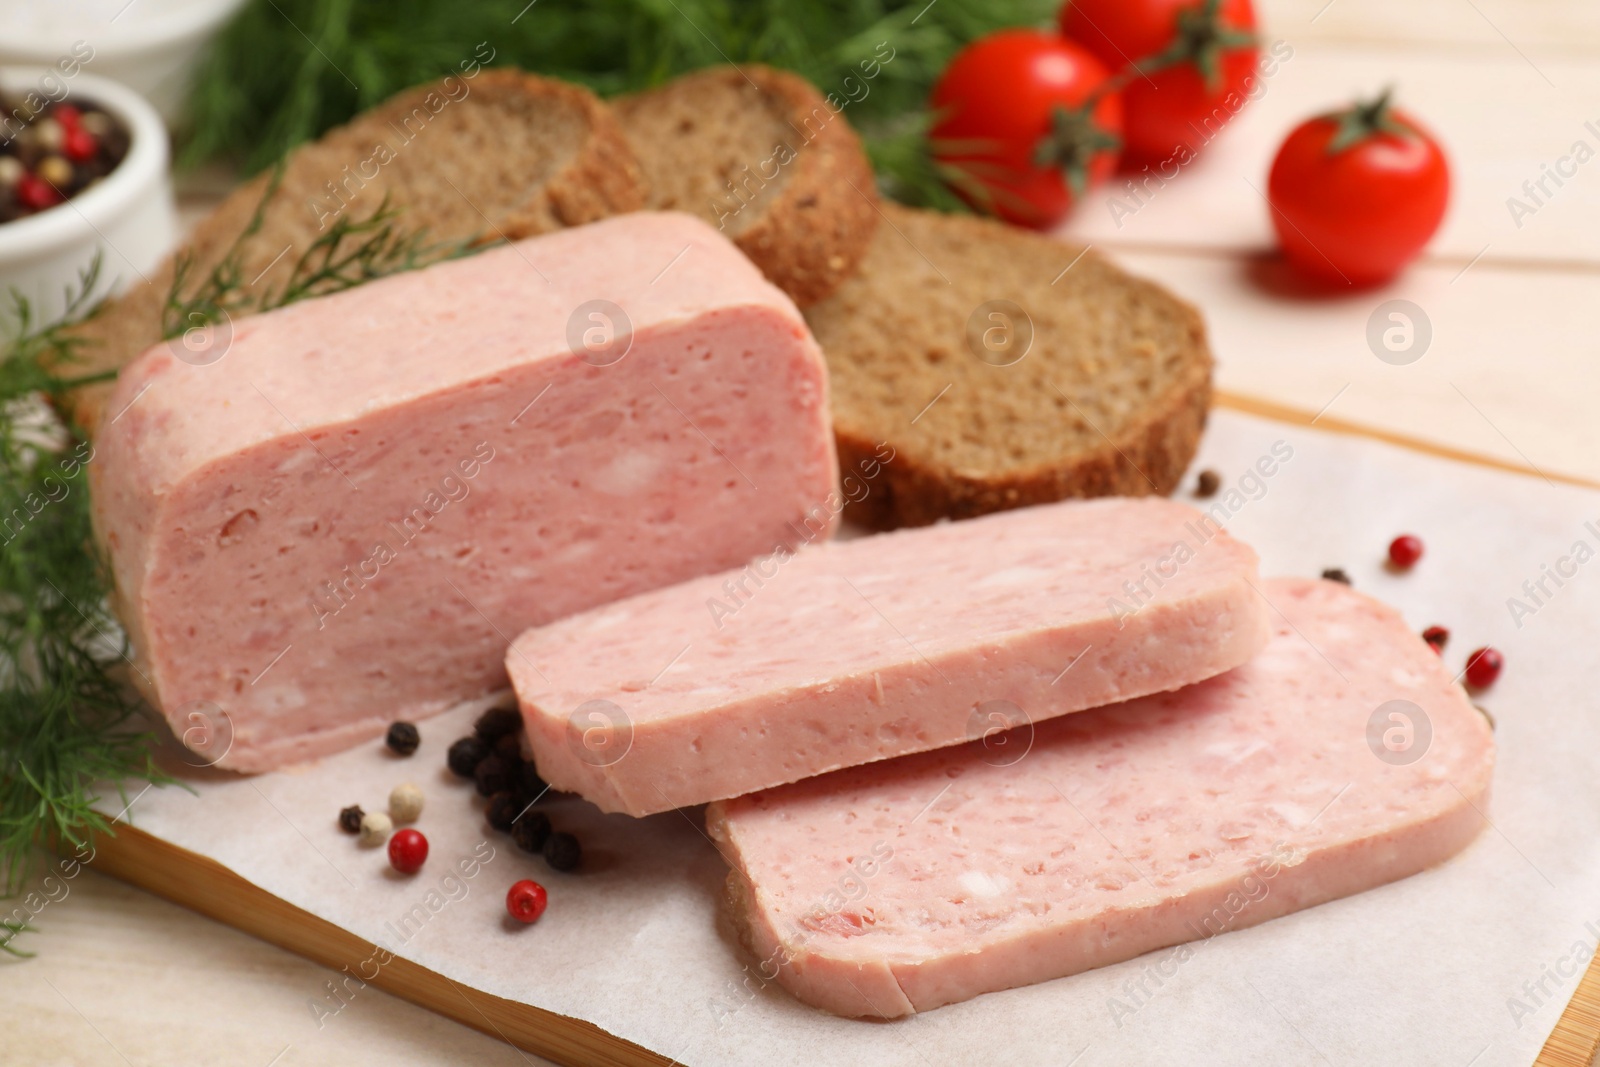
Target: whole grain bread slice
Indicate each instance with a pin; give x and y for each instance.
(976, 367)
(762, 155)
(502, 155)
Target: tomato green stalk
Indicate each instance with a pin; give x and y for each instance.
(1025, 114)
(1365, 121)
(1200, 39)
(1073, 142)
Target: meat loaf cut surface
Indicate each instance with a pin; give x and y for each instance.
(855, 651)
(342, 521)
(1340, 758)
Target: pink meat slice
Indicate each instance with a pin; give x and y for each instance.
(342, 521)
(859, 650)
(1288, 782)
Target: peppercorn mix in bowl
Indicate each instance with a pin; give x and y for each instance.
(84, 178)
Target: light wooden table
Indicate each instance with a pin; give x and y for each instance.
(1508, 84)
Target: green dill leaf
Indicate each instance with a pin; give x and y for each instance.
(68, 721)
(286, 70)
(356, 251)
(352, 252)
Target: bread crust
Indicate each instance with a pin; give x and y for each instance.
(814, 235)
(819, 230)
(1148, 459)
(601, 177)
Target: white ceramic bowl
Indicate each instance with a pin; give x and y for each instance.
(129, 218)
(151, 46)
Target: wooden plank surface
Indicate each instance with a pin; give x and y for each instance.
(1562, 27)
(122, 976)
(125, 976)
(1269, 409)
(1509, 372)
(1501, 118)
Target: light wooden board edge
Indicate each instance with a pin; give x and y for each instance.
(1271, 409)
(1576, 1039)
(201, 884)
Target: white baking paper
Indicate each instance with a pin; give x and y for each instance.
(1471, 963)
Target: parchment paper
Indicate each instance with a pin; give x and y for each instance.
(1470, 963)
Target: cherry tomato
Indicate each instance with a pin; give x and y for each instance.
(1187, 67)
(1025, 125)
(1357, 194)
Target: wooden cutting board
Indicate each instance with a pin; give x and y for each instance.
(206, 886)
(203, 885)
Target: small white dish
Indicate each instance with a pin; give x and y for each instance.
(151, 46)
(129, 218)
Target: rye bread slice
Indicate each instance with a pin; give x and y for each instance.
(760, 154)
(502, 155)
(1108, 398)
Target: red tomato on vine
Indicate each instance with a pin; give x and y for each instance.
(1356, 194)
(1186, 67)
(1025, 124)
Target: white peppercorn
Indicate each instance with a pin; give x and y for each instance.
(96, 122)
(56, 171)
(405, 803)
(375, 827)
(49, 134)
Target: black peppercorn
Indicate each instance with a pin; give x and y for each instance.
(402, 738)
(497, 722)
(561, 852)
(509, 748)
(493, 775)
(1207, 484)
(350, 819)
(530, 786)
(1336, 574)
(531, 831)
(465, 755)
(503, 810)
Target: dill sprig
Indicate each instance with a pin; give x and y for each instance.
(286, 70)
(356, 251)
(67, 720)
(352, 252)
(222, 290)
